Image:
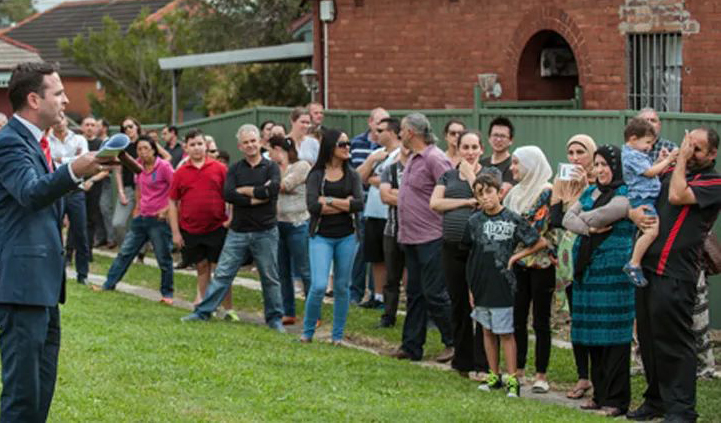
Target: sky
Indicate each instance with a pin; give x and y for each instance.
(43, 5)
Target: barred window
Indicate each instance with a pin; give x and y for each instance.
(654, 65)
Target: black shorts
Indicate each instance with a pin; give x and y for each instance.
(199, 247)
(373, 241)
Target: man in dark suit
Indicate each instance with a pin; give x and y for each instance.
(32, 271)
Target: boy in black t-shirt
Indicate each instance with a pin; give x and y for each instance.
(492, 235)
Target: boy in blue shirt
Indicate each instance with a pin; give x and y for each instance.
(492, 235)
(641, 177)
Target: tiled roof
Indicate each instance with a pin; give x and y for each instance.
(13, 52)
(43, 30)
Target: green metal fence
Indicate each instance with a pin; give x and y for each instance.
(547, 128)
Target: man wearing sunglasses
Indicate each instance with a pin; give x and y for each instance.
(361, 146)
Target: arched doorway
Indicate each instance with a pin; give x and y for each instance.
(547, 68)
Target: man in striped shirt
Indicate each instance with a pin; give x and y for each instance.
(361, 146)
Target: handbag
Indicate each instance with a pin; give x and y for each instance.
(711, 255)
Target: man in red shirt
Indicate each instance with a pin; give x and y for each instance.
(197, 213)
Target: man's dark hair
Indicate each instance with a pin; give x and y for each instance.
(712, 137)
(28, 78)
(394, 124)
(451, 122)
(173, 129)
(487, 180)
(195, 132)
(105, 124)
(639, 128)
(501, 121)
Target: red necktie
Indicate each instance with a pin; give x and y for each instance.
(45, 146)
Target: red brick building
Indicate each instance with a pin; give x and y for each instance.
(427, 53)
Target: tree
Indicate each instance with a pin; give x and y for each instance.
(252, 23)
(14, 11)
(126, 64)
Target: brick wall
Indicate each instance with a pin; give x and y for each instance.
(77, 90)
(426, 53)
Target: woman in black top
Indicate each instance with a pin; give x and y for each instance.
(334, 195)
(453, 197)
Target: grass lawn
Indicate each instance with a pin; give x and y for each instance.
(126, 359)
(360, 328)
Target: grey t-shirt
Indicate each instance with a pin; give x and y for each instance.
(454, 221)
(492, 239)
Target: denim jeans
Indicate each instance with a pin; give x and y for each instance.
(142, 229)
(78, 232)
(106, 209)
(292, 254)
(359, 281)
(122, 214)
(323, 252)
(263, 246)
(427, 296)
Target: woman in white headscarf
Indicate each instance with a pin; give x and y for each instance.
(535, 274)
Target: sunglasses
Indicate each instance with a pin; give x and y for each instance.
(128, 127)
(343, 144)
(454, 133)
(212, 151)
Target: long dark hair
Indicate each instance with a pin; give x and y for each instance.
(138, 129)
(328, 140)
(287, 144)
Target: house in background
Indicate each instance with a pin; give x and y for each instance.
(12, 52)
(411, 54)
(43, 30)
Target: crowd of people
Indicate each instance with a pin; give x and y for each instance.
(480, 244)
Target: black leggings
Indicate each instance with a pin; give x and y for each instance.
(469, 353)
(580, 352)
(534, 286)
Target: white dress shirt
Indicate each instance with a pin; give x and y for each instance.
(37, 133)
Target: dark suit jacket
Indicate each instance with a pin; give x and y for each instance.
(32, 269)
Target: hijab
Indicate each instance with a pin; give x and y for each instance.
(573, 189)
(587, 143)
(590, 242)
(524, 194)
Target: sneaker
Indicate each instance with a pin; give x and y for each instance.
(513, 388)
(635, 274)
(372, 304)
(193, 318)
(231, 316)
(493, 382)
(277, 326)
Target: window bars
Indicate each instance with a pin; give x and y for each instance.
(654, 69)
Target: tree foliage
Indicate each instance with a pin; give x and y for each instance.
(252, 23)
(126, 64)
(14, 11)
(126, 61)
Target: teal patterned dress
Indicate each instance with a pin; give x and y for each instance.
(603, 301)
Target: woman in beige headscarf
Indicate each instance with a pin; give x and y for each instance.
(579, 151)
(535, 274)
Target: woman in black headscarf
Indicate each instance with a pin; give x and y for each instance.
(603, 299)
